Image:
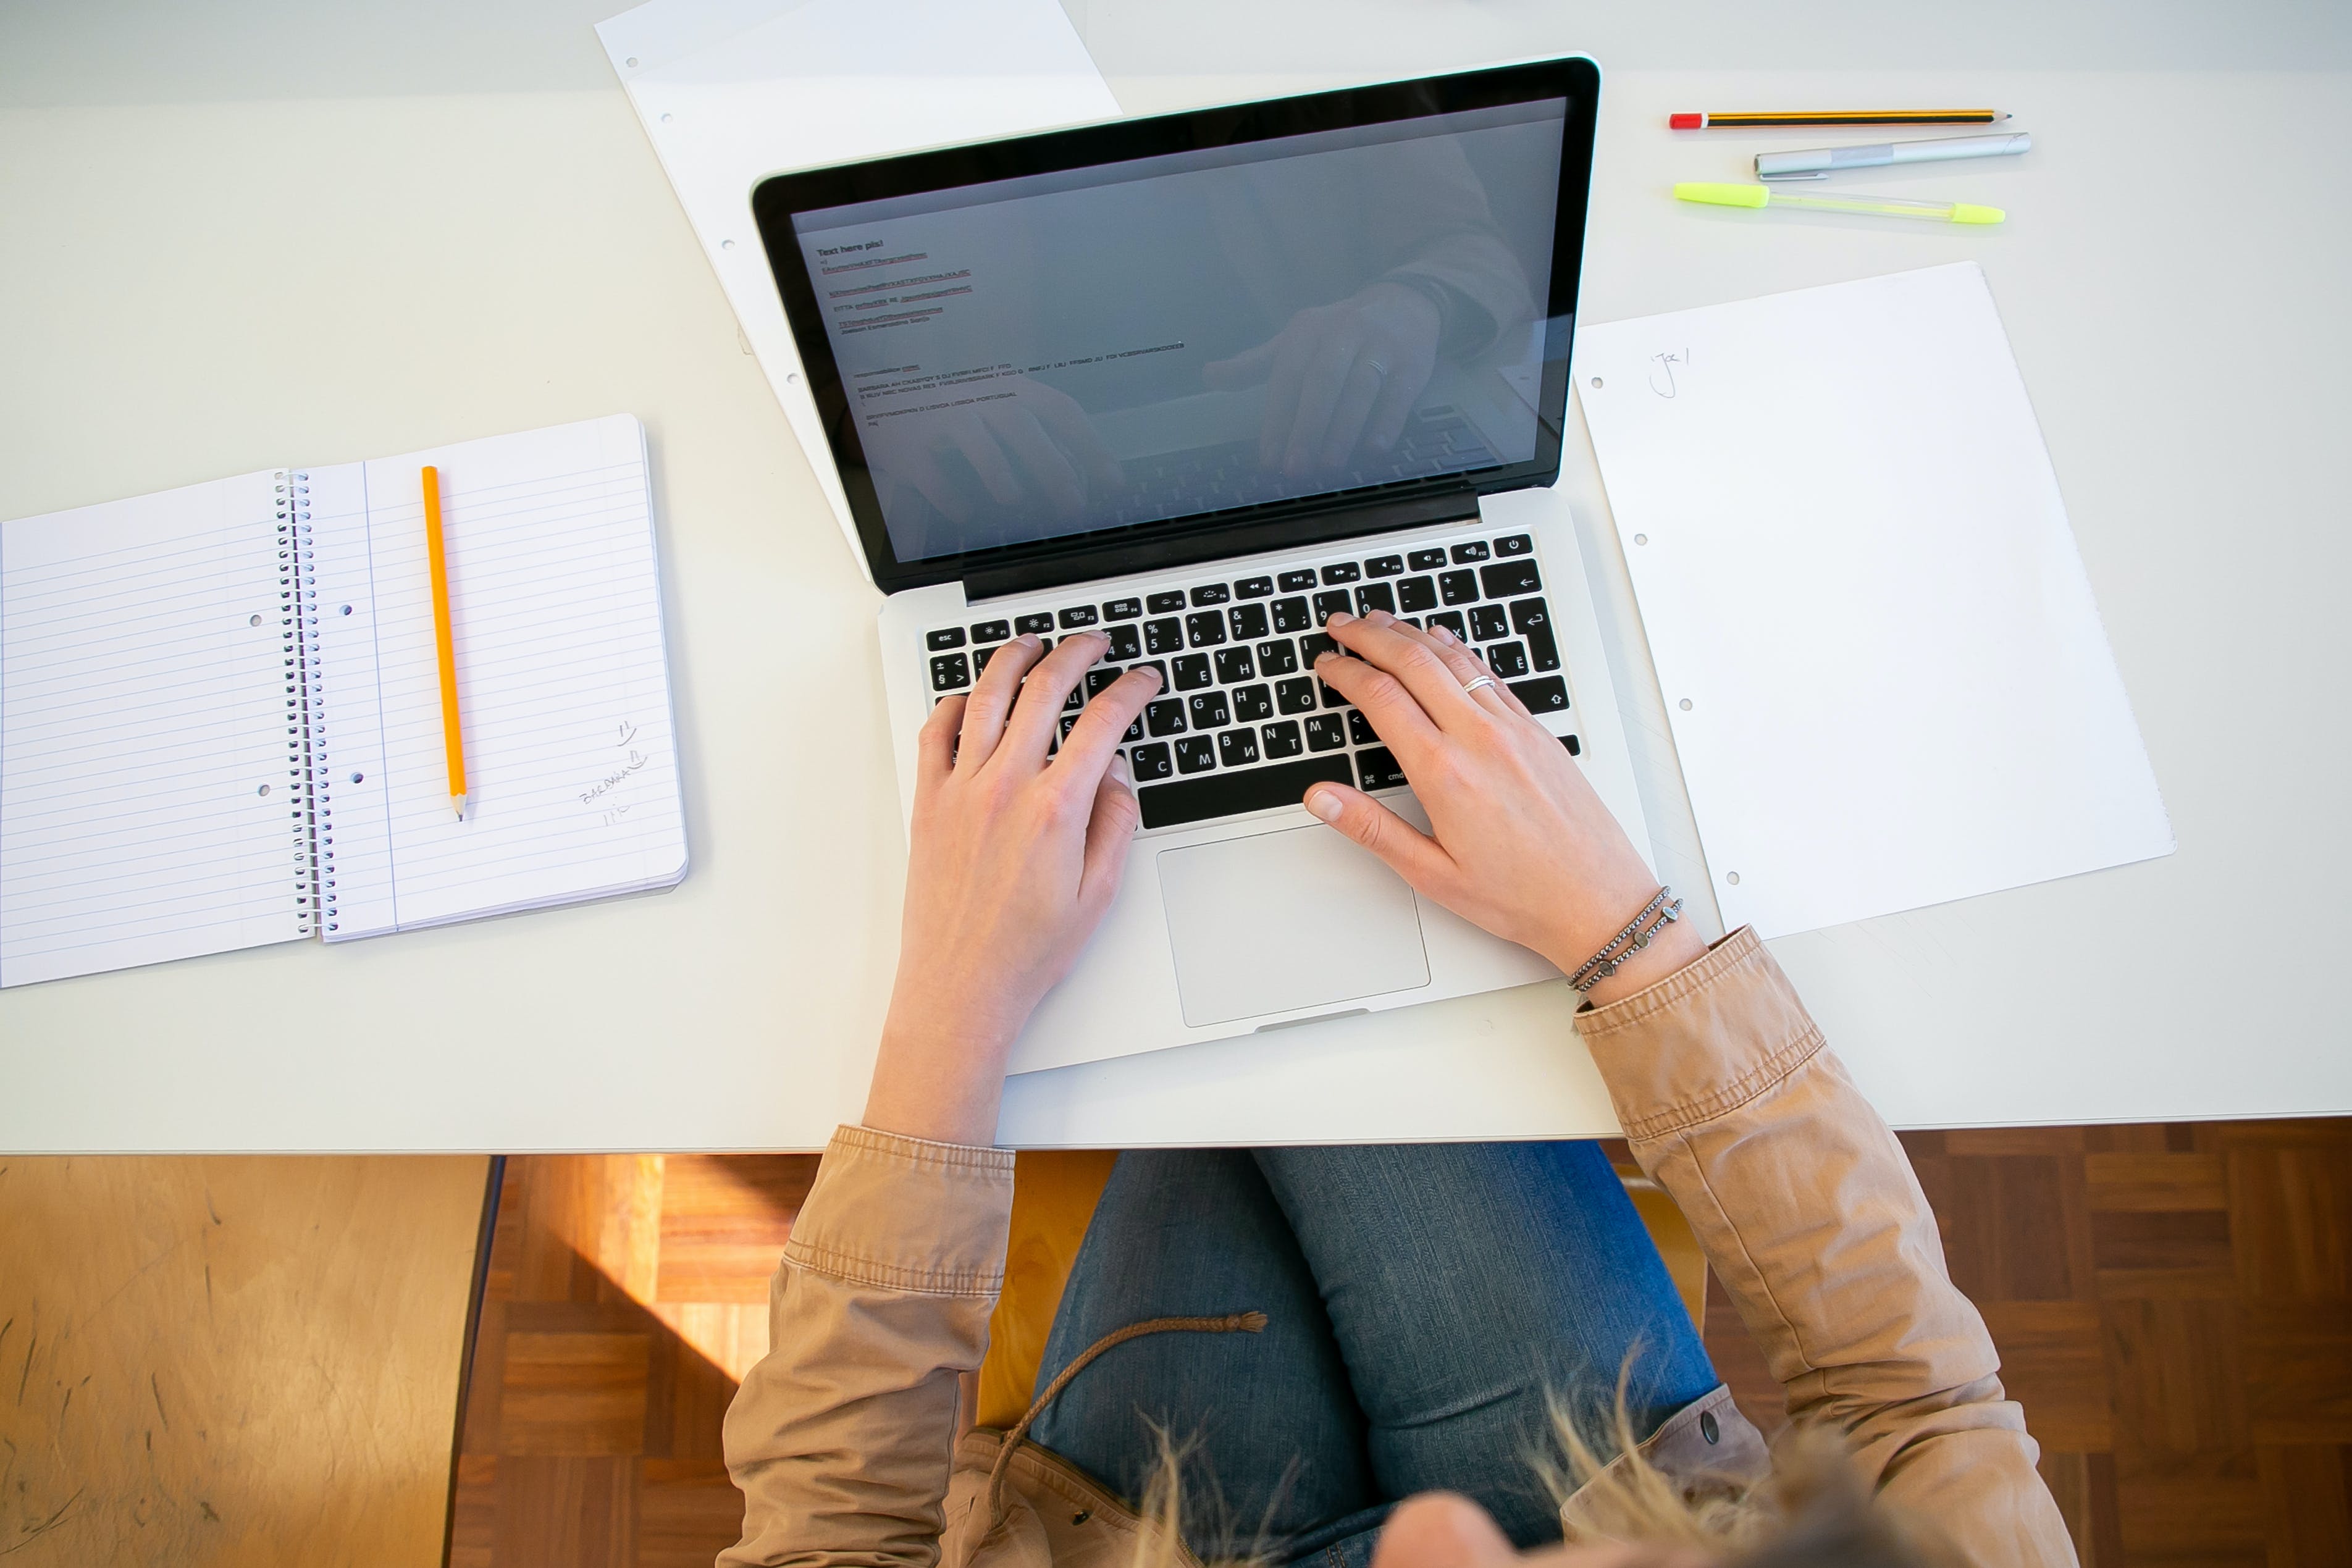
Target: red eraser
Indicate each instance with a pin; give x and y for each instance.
(1686, 122)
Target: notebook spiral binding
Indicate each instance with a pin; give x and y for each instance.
(314, 810)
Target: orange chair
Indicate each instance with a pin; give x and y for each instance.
(1054, 1195)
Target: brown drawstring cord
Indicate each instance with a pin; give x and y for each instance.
(1231, 1323)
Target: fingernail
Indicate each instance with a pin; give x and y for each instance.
(1442, 634)
(1324, 803)
(1380, 618)
(1027, 639)
(1338, 618)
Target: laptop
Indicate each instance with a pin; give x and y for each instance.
(1195, 382)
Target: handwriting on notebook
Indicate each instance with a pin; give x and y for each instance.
(1663, 368)
(634, 761)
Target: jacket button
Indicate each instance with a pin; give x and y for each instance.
(1706, 1427)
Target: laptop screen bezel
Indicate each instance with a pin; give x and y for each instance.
(777, 199)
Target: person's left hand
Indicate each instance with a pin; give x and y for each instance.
(1338, 377)
(1013, 858)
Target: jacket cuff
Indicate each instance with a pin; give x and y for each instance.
(1702, 1042)
(906, 1213)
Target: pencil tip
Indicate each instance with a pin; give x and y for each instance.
(460, 802)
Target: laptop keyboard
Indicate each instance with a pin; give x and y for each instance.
(1241, 722)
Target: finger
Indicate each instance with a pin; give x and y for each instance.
(991, 700)
(1404, 849)
(1379, 640)
(1364, 384)
(1245, 369)
(1463, 662)
(932, 483)
(1321, 387)
(987, 460)
(1386, 422)
(935, 752)
(1073, 433)
(1086, 750)
(1108, 830)
(1395, 714)
(1019, 429)
(1039, 708)
(1290, 357)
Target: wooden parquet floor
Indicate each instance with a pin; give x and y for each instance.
(2173, 1306)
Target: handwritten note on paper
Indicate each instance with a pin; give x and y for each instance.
(1881, 657)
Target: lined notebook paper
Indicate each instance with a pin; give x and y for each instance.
(220, 719)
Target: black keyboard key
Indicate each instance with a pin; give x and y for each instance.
(1487, 623)
(1509, 660)
(1385, 566)
(1292, 615)
(1123, 610)
(1248, 622)
(1314, 645)
(1254, 587)
(1530, 620)
(1195, 753)
(1041, 623)
(1229, 794)
(1294, 696)
(1164, 636)
(1377, 769)
(1237, 748)
(1329, 604)
(1475, 551)
(1069, 722)
(1575, 747)
(1279, 658)
(1161, 603)
(1075, 700)
(1342, 571)
(1326, 731)
(1331, 697)
(979, 657)
(1152, 761)
(1359, 729)
(1251, 704)
(1165, 717)
(950, 638)
(1212, 593)
(1281, 740)
(1458, 586)
(1078, 615)
(991, 631)
(1125, 645)
(1416, 594)
(1292, 581)
(1545, 693)
(1097, 679)
(1205, 628)
(1193, 672)
(1207, 710)
(1509, 578)
(1426, 560)
(1452, 621)
(1134, 729)
(950, 673)
(1514, 544)
(1375, 596)
(1234, 665)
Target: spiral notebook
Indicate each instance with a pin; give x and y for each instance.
(220, 721)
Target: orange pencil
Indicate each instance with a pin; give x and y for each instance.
(438, 563)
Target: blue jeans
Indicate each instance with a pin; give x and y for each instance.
(1424, 1302)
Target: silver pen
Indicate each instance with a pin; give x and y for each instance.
(1817, 163)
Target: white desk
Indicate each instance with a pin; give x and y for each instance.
(213, 260)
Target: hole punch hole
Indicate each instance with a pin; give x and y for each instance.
(632, 62)
(359, 778)
(256, 621)
(726, 244)
(666, 118)
(347, 609)
(263, 790)
(1732, 877)
(1596, 383)
(1641, 538)
(1686, 704)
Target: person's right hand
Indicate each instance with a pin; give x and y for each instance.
(1027, 444)
(1519, 843)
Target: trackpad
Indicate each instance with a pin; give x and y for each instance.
(1278, 921)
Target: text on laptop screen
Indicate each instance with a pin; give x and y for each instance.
(1133, 342)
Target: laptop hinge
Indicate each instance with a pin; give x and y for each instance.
(1130, 558)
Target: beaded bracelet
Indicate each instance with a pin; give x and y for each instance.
(1658, 913)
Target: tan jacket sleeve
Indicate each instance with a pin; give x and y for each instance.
(841, 1436)
(1808, 1210)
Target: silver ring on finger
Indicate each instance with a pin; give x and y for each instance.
(1469, 686)
(1378, 369)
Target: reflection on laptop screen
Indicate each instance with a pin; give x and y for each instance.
(1158, 339)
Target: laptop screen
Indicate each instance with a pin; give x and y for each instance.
(1130, 341)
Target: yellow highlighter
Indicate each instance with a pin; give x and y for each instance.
(1836, 201)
